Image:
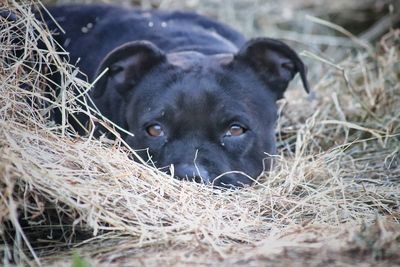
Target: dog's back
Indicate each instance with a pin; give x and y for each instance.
(91, 32)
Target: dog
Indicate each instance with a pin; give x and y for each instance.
(193, 93)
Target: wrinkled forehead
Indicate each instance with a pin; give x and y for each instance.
(193, 94)
(195, 83)
(187, 75)
(190, 94)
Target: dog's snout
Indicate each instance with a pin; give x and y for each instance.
(193, 173)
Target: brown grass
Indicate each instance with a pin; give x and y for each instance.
(333, 197)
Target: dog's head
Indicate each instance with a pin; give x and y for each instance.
(210, 116)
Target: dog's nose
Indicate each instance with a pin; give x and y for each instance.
(192, 172)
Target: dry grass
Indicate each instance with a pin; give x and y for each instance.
(333, 197)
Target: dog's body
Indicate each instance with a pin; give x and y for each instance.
(191, 90)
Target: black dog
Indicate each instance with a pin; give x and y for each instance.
(193, 92)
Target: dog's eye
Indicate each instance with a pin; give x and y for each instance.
(235, 130)
(155, 130)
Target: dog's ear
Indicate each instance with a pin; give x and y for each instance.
(275, 63)
(126, 65)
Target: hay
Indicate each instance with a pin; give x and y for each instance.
(333, 197)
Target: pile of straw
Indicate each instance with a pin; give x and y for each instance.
(333, 197)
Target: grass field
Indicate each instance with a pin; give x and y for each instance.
(332, 199)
